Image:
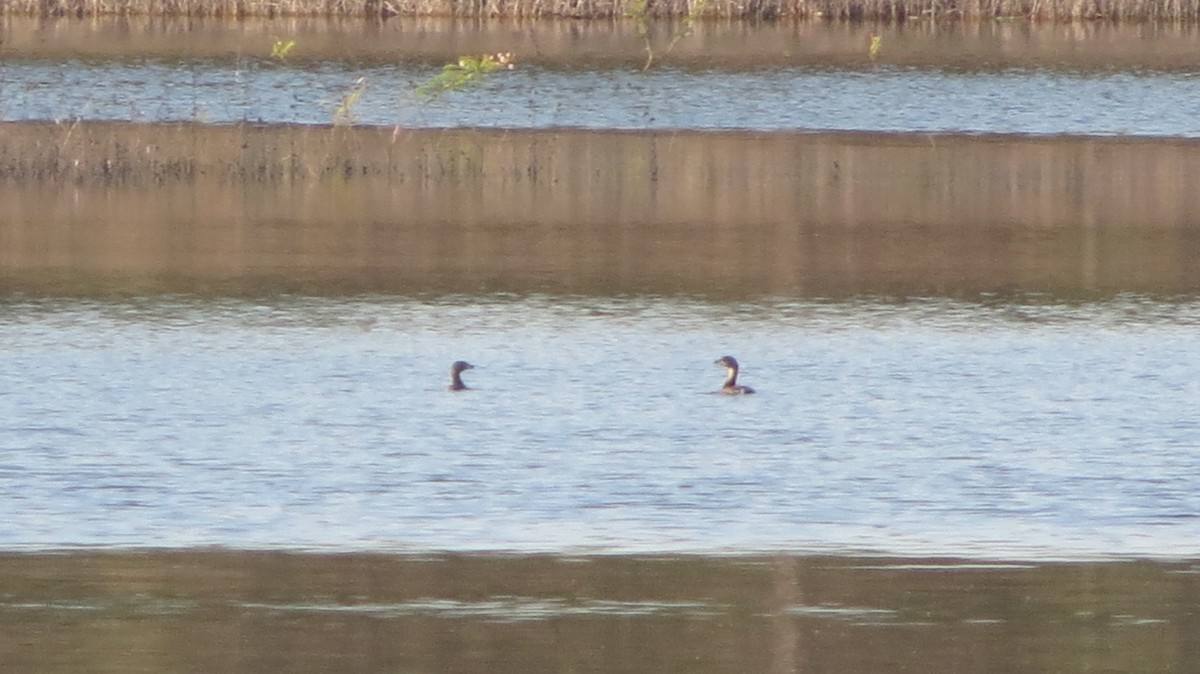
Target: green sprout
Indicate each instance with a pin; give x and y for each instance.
(876, 45)
(468, 70)
(281, 49)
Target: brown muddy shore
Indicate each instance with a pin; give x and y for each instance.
(197, 208)
(853, 10)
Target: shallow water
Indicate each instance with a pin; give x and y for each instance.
(982, 429)
(978, 79)
(884, 98)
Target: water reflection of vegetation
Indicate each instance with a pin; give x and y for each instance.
(793, 214)
(233, 612)
(640, 13)
(343, 115)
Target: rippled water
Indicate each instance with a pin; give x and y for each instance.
(885, 98)
(976, 78)
(1030, 100)
(1027, 429)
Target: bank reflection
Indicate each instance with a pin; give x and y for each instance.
(250, 611)
(270, 209)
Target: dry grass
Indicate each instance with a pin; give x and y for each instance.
(888, 10)
(986, 46)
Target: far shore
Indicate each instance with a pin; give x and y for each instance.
(607, 10)
(564, 43)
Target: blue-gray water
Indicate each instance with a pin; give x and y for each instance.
(1025, 429)
(1003, 428)
(883, 98)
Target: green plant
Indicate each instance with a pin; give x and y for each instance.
(344, 114)
(466, 71)
(281, 49)
(640, 12)
(876, 45)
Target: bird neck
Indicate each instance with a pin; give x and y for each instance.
(730, 377)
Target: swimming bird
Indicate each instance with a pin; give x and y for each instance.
(456, 370)
(731, 386)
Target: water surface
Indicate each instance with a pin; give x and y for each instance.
(886, 98)
(989, 79)
(281, 482)
(248, 612)
(1028, 429)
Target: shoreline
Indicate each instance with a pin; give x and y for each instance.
(557, 44)
(610, 10)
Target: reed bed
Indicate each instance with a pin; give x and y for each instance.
(852, 10)
(270, 208)
(984, 46)
(972, 46)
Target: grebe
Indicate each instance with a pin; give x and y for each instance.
(731, 372)
(456, 370)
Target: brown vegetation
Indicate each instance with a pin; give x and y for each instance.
(872, 10)
(981, 46)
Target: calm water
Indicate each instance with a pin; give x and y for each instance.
(883, 98)
(1010, 429)
(989, 78)
(284, 484)
(254, 612)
